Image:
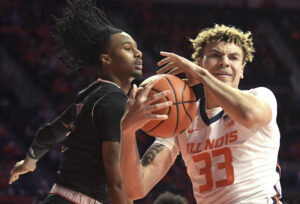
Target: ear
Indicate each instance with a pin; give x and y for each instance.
(105, 59)
(242, 73)
(199, 61)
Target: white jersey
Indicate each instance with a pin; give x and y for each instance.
(228, 163)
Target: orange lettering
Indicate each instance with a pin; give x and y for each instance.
(226, 139)
(209, 144)
(206, 170)
(187, 148)
(226, 152)
(233, 136)
(192, 148)
(219, 142)
(198, 147)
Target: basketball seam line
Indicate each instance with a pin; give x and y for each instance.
(176, 127)
(182, 99)
(158, 124)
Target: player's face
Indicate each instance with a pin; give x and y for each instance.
(224, 61)
(126, 58)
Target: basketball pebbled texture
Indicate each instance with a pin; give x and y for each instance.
(180, 114)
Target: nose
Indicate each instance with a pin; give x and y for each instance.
(138, 53)
(223, 61)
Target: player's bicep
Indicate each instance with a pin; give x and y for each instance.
(267, 105)
(265, 115)
(107, 116)
(110, 154)
(156, 162)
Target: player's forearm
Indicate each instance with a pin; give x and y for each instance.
(241, 106)
(29, 161)
(48, 137)
(131, 169)
(117, 196)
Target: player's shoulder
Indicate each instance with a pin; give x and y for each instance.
(101, 91)
(110, 94)
(260, 91)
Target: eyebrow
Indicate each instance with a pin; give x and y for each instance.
(217, 51)
(128, 42)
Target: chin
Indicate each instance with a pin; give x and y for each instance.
(137, 75)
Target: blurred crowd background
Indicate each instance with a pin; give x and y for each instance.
(35, 87)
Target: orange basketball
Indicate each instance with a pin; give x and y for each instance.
(180, 114)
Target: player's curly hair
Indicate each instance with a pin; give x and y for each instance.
(226, 34)
(82, 34)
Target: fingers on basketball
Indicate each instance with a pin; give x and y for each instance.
(173, 106)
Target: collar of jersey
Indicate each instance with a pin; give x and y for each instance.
(109, 82)
(204, 115)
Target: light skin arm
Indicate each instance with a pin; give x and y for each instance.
(111, 153)
(22, 167)
(243, 107)
(139, 176)
(46, 137)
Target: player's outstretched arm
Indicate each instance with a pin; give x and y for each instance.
(245, 108)
(45, 138)
(22, 167)
(138, 177)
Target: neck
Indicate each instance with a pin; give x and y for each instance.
(124, 85)
(210, 102)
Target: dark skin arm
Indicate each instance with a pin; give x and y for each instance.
(111, 159)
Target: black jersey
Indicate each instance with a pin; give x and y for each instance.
(94, 117)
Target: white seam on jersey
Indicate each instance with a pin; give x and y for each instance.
(96, 104)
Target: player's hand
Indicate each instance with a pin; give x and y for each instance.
(175, 64)
(21, 167)
(139, 109)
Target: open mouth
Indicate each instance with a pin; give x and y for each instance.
(218, 74)
(139, 64)
(222, 74)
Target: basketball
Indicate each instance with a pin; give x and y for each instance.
(180, 114)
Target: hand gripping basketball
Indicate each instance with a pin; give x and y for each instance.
(180, 113)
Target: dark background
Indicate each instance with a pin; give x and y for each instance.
(35, 87)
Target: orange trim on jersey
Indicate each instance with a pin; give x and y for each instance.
(275, 198)
(279, 167)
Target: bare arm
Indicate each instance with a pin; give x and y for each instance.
(139, 177)
(111, 160)
(45, 138)
(22, 167)
(243, 107)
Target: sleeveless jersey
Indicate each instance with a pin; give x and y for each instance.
(227, 162)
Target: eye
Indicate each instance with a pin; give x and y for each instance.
(214, 55)
(127, 48)
(234, 58)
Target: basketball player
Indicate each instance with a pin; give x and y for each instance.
(231, 147)
(89, 128)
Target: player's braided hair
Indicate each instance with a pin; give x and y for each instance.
(226, 34)
(82, 34)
